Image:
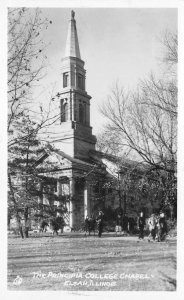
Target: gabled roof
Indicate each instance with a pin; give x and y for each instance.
(50, 151)
(70, 158)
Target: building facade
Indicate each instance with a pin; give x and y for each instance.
(73, 173)
(78, 177)
(84, 179)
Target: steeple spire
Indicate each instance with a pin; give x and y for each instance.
(74, 102)
(72, 43)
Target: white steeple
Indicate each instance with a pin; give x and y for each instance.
(72, 44)
(75, 137)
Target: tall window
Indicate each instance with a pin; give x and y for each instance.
(81, 82)
(65, 79)
(65, 112)
(85, 114)
(81, 113)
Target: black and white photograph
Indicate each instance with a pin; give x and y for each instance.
(92, 140)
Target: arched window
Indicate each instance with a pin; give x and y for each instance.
(65, 79)
(81, 113)
(65, 112)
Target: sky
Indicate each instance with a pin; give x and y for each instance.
(117, 44)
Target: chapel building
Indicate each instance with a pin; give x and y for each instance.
(71, 172)
(77, 171)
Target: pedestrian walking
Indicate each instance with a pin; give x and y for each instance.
(163, 226)
(118, 227)
(141, 224)
(152, 221)
(86, 224)
(99, 221)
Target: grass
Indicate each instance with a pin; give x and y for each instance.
(74, 262)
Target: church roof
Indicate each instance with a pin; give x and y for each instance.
(70, 158)
(49, 150)
(72, 43)
(54, 160)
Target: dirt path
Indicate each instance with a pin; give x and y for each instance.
(75, 262)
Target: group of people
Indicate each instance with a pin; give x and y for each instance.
(156, 224)
(91, 223)
(124, 223)
(55, 224)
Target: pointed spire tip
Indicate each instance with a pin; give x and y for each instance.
(72, 14)
(72, 43)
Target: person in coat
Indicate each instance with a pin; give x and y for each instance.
(163, 226)
(152, 223)
(141, 224)
(99, 221)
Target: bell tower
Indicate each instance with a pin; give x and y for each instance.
(76, 137)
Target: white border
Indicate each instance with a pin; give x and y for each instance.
(3, 141)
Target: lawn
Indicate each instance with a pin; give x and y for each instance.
(74, 262)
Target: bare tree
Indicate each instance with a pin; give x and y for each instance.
(26, 67)
(145, 120)
(144, 125)
(170, 42)
(106, 143)
(25, 59)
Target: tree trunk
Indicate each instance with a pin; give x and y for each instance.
(26, 230)
(19, 225)
(26, 227)
(171, 212)
(124, 203)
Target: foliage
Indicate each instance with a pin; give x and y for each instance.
(26, 62)
(22, 174)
